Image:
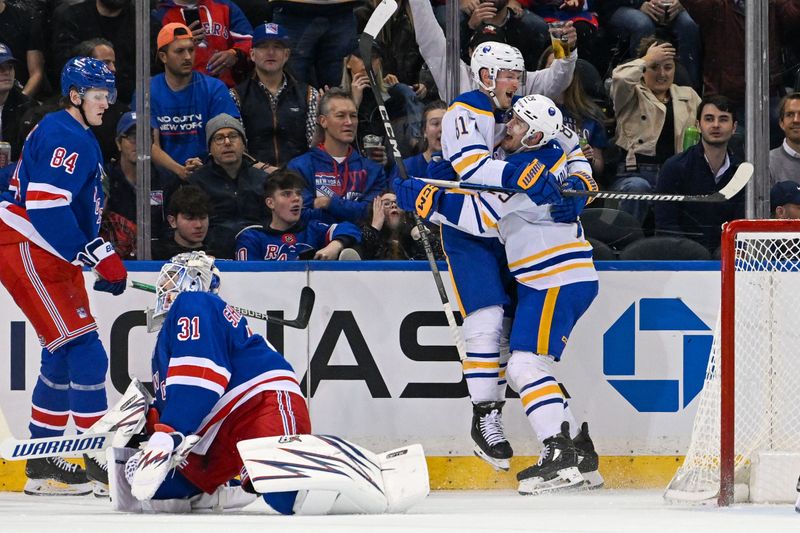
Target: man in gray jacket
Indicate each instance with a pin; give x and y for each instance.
(784, 161)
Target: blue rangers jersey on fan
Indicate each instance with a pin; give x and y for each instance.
(207, 362)
(257, 243)
(55, 196)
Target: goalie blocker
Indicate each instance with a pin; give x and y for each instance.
(298, 474)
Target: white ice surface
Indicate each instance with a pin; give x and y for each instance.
(612, 511)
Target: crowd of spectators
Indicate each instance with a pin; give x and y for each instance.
(265, 126)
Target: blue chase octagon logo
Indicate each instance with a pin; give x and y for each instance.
(619, 355)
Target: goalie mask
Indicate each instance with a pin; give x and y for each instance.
(494, 57)
(541, 116)
(186, 272)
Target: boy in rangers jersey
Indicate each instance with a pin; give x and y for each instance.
(214, 379)
(49, 220)
(287, 237)
(471, 128)
(556, 282)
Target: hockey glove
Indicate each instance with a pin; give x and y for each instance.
(163, 452)
(534, 179)
(415, 195)
(569, 207)
(440, 168)
(100, 256)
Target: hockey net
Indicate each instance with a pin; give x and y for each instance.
(746, 435)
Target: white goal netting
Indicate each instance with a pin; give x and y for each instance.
(767, 380)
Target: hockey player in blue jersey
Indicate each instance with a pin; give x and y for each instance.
(220, 392)
(287, 237)
(49, 221)
(556, 282)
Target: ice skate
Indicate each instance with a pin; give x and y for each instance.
(487, 432)
(588, 461)
(97, 474)
(557, 468)
(53, 476)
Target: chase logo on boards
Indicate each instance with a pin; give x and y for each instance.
(620, 354)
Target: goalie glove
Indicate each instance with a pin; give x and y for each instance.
(149, 468)
(569, 208)
(415, 195)
(100, 256)
(536, 181)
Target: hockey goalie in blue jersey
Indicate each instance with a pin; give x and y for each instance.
(287, 236)
(227, 404)
(551, 260)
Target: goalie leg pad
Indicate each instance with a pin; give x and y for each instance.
(405, 477)
(119, 488)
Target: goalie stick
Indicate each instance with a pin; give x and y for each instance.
(383, 12)
(307, 298)
(739, 180)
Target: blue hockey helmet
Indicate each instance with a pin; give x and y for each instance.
(84, 73)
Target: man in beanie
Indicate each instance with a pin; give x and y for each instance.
(182, 101)
(784, 200)
(233, 184)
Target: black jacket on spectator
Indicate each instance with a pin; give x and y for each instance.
(274, 136)
(16, 105)
(689, 173)
(21, 30)
(167, 249)
(382, 244)
(122, 199)
(235, 203)
(81, 22)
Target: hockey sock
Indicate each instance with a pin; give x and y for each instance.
(482, 365)
(87, 369)
(50, 402)
(539, 391)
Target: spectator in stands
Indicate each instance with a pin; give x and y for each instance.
(119, 215)
(638, 19)
(432, 139)
(583, 116)
(13, 103)
(340, 183)
(404, 62)
(784, 200)
(182, 101)
(524, 30)
(401, 103)
(278, 111)
(576, 11)
(784, 161)
(286, 236)
(21, 31)
(321, 34)
(722, 28)
(702, 169)
(392, 234)
(221, 32)
(103, 50)
(113, 20)
(233, 184)
(432, 45)
(187, 215)
(652, 115)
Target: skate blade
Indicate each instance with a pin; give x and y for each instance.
(565, 479)
(51, 487)
(497, 464)
(99, 489)
(593, 480)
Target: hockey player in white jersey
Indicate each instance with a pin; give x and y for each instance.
(472, 127)
(556, 281)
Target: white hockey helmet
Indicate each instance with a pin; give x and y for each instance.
(494, 57)
(541, 115)
(186, 272)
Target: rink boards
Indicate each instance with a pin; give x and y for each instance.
(383, 371)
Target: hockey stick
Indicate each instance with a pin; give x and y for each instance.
(307, 298)
(383, 12)
(67, 446)
(740, 178)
